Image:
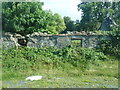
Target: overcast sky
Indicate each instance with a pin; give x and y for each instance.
(63, 7)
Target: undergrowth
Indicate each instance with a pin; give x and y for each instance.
(24, 58)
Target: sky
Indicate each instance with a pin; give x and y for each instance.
(63, 7)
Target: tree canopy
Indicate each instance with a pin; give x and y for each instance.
(70, 26)
(28, 17)
(95, 12)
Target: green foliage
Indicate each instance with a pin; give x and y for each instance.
(25, 58)
(70, 26)
(51, 63)
(113, 33)
(28, 17)
(112, 46)
(95, 12)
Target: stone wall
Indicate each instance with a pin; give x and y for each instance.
(58, 41)
(38, 40)
(10, 40)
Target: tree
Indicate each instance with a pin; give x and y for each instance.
(116, 16)
(28, 17)
(77, 25)
(95, 12)
(70, 25)
(55, 23)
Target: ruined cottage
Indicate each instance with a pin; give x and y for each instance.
(37, 40)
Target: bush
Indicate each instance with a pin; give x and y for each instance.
(112, 46)
(25, 58)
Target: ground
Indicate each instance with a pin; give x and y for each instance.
(104, 75)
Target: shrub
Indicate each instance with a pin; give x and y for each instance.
(112, 46)
(24, 58)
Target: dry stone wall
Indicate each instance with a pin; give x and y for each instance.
(38, 40)
(8, 40)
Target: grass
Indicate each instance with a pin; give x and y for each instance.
(104, 75)
(61, 68)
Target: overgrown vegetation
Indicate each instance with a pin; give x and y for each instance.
(65, 67)
(29, 17)
(75, 64)
(26, 58)
(112, 46)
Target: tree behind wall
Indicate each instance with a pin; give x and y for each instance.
(70, 25)
(28, 17)
(95, 12)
